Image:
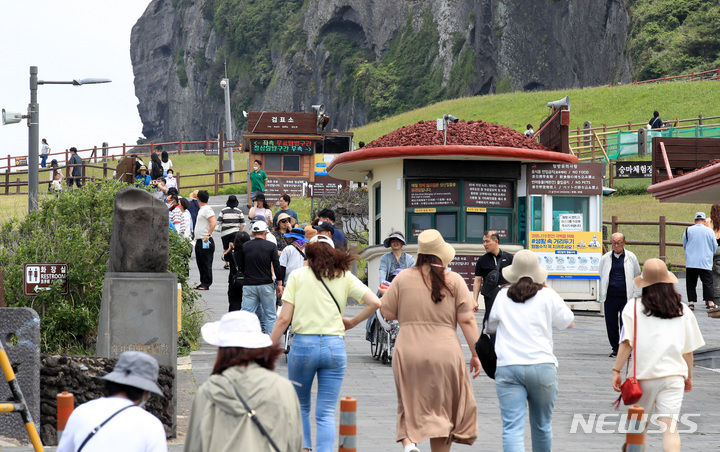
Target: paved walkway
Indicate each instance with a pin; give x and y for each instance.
(584, 374)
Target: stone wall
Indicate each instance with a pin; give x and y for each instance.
(80, 375)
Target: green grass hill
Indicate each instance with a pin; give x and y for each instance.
(610, 105)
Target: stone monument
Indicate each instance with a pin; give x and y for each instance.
(139, 303)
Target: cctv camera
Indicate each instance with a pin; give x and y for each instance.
(11, 117)
(450, 118)
(223, 83)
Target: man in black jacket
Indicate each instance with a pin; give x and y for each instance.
(260, 257)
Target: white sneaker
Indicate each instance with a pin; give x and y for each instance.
(412, 447)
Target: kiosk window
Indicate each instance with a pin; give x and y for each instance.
(570, 206)
(446, 223)
(284, 163)
(536, 213)
(419, 223)
(475, 226)
(501, 224)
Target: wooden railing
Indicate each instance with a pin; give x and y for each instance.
(96, 154)
(13, 183)
(712, 74)
(661, 243)
(590, 144)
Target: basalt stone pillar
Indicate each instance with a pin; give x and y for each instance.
(139, 240)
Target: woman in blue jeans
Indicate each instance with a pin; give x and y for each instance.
(523, 317)
(314, 299)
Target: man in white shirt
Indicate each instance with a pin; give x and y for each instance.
(118, 422)
(204, 244)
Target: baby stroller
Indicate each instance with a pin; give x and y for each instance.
(383, 335)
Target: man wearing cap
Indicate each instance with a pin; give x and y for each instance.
(204, 243)
(293, 256)
(284, 203)
(488, 271)
(142, 179)
(118, 421)
(75, 171)
(259, 259)
(700, 245)
(337, 235)
(325, 228)
(618, 270)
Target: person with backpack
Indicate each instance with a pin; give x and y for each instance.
(488, 271)
(293, 256)
(655, 122)
(156, 167)
(232, 256)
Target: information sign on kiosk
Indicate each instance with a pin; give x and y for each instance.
(568, 255)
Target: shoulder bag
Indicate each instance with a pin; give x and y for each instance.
(333, 296)
(239, 280)
(251, 414)
(485, 349)
(630, 391)
(491, 282)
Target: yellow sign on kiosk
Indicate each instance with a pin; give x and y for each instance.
(568, 255)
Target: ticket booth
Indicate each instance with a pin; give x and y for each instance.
(295, 152)
(463, 191)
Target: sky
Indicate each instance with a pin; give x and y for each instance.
(66, 40)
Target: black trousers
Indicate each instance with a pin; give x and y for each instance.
(613, 319)
(204, 258)
(234, 298)
(691, 277)
(227, 240)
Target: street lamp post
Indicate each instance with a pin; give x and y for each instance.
(225, 84)
(33, 118)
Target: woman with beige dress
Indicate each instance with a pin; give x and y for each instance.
(435, 395)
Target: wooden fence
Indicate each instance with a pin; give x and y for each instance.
(11, 183)
(661, 243)
(711, 75)
(590, 144)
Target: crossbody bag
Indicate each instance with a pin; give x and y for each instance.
(251, 414)
(333, 296)
(630, 391)
(95, 430)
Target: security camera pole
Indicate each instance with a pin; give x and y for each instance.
(33, 118)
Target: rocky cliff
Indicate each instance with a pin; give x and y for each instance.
(364, 59)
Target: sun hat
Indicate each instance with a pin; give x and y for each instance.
(324, 226)
(310, 232)
(194, 194)
(136, 369)
(232, 201)
(430, 242)
(525, 263)
(258, 217)
(396, 236)
(296, 233)
(142, 167)
(322, 238)
(700, 215)
(283, 216)
(654, 271)
(236, 329)
(259, 226)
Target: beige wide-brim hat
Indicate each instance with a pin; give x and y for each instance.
(430, 242)
(194, 194)
(525, 263)
(654, 271)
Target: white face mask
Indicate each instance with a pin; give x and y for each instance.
(144, 400)
(256, 168)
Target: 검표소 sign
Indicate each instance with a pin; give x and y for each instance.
(40, 276)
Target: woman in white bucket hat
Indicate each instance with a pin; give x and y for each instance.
(243, 381)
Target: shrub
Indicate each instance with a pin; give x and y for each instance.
(76, 228)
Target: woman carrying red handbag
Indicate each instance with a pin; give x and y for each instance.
(667, 335)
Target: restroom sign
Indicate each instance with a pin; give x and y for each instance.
(39, 276)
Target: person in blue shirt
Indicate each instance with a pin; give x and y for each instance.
(699, 244)
(284, 203)
(143, 178)
(338, 237)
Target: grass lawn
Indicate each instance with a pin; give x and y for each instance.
(601, 105)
